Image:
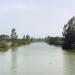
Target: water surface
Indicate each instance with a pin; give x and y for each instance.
(37, 59)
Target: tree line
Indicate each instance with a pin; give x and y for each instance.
(68, 39)
(7, 41)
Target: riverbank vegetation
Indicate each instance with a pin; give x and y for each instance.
(66, 42)
(57, 41)
(69, 34)
(68, 39)
(12, 41)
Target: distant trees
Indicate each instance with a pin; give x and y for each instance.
(69, 34)
(54, 40)
(27, 37)
(23, 40)
(7, 42)
(14, 35)
(4, 37)
(47, 39)
(24, 37)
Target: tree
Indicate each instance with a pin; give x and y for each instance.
(4, 37)
(24, 37)
(27, 37)
(14, 35)
(23, 40)
(69, 34)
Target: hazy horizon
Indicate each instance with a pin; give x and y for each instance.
(38, 18)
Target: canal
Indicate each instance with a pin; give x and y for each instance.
(37, 59)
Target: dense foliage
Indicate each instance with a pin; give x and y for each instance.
(54, 40)
(69, 34)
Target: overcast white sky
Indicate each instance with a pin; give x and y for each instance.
(37, 18)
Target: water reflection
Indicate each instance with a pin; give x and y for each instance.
(37, 59)
(69, 63)
(13, 61)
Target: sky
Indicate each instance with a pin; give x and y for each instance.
(38, 18)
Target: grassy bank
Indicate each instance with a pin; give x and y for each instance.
(5, 45)
(57, 41)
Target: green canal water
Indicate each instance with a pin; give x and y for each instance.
(37, 59)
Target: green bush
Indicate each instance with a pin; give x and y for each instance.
(3, 45)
